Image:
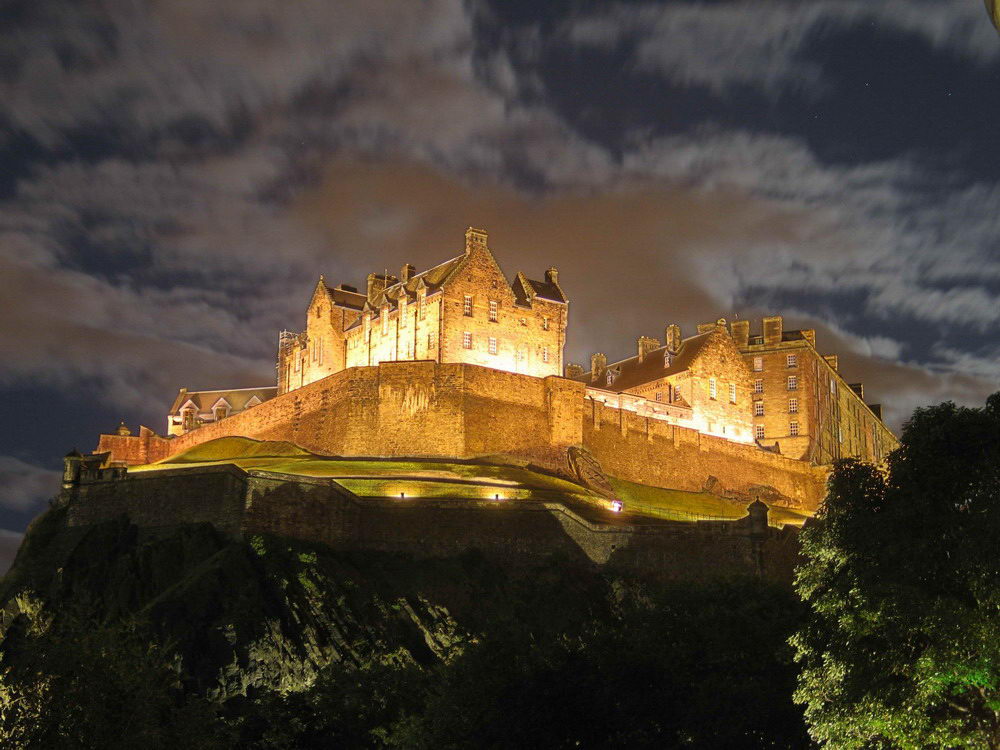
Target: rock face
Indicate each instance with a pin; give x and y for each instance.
(268, 612)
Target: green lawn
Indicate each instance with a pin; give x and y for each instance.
(377, 477)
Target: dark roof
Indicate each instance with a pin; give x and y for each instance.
(346, 298)
(633, 373)
(236, 398)
(526, 289)
(432, 279)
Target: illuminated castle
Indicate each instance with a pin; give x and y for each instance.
(459, 361)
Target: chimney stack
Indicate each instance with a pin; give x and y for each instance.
(706, 327)
(646, 345)
(572, 371)
(377, 282)
(406, 272)
(474, 238)
(741, 332)
(773, 329)
(598, 364)
(831, 359)
(673, 338)
(552, 276)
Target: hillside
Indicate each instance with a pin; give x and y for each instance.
(186, 637)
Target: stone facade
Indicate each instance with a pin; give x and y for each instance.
(802, 404)
(465, 411)
(463, 310)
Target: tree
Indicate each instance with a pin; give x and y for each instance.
(901, 646)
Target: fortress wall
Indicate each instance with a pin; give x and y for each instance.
(319, 510)
(652, 452)
(213, 495)
(457, 410)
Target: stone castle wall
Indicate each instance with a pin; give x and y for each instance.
(243, 504)
(464, 411)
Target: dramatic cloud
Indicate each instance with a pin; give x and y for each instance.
(758, 41)
(179, 173)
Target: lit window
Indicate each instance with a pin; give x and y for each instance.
(545, 324)
(467, 306)
(422, 303)
(793, 429)
(793, 383)
(833, 387)
(385, 320)
(758, 386)
(493, 310)
(545, 354)
(667, 359)
(758, 364)
(659, 395)
(611, 378)
(221, 412)
(732, 393)
(467, 340)
(711, 388)
(758, 408)
(493, 345)
(792, 360)
(793, 406)
(758, 432)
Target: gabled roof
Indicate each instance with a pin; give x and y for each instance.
(237, 398)
(345, 298)
(633, 373)
(432, 279)
(526, 289)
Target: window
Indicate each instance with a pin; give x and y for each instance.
(758, 408)
(712, 388)
(758, 432)
(793, 406)
(421, 303)
(545, 324)
(792, 360)
(659, 395)
(676, 393)
(545, 354)
(611, 378)
(221, 412)
(758, 364)
(430, 340)
(667, 359)
(385, 320)
(493, 345)
(793, 429)
(793, 383)
(758, 386)
(732, 393)
(467, 340)
(467, 306)
(493, 310)
(833, 387)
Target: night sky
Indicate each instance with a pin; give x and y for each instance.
(175, 175)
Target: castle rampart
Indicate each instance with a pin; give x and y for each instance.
(244, 503)
(430, 409)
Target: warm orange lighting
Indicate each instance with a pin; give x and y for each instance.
(616, 506)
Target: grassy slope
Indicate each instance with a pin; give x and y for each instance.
(377, 477)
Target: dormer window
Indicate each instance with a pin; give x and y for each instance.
(667, 359)
(221, 411)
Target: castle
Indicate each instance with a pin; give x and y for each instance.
(772, 389)
(428, 378)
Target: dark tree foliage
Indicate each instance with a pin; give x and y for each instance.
(902, 578)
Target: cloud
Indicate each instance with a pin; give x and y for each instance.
(24, 486)
(757, 41)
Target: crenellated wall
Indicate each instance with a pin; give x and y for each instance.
(457, 410)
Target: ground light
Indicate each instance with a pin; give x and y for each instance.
(616, 506)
